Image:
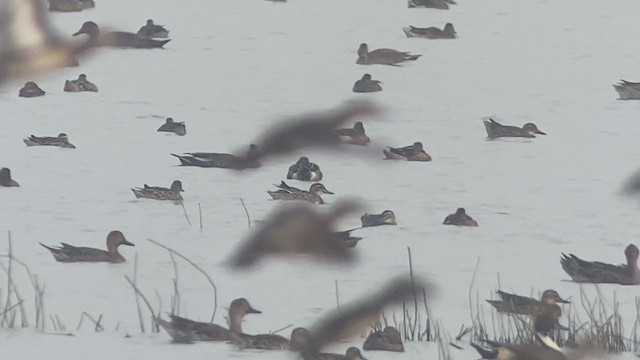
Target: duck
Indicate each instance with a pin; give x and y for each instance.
(345, 239)
(79, 85)
(151, 30)
(431, 32)
(383, 56)
(183, 330)
(366, 85)
(355, 135)
(296, 228)
(496, 130)
(517, 304)
(304, 170)
(69, 253)
(30, 89)
(352, 353)
(225, 161)
(596, 272)
(160, 193)
(62, 140)
(628, 90)
(298, 341)
(6, 180)
(413, 152)
(287, 192)
(460, 218)
(387, 217)
(70, 5)
(174, 127)
(117, 38)
(389, 339)
(434, 4)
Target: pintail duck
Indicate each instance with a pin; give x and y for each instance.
(287, 192)
(431, 32)
(117, 38)
(183, 330)
(299, 339)
(151, 30)
(386, 218)
(69, 253)
(516, 304)
(382, 56)
(434, 4)
(496, 130)
(413, 152)
(61, 141)
(70, 5)
(160, 193)
(355, 135)
(304, 170)
(173, 127)
(30, 89)
(388, 339)
(41, 51)
(598, 272)
(79, 85)
(225, 161)
(366, 84)
(296, 229)
(628, 90)
(5, 178)
(460, 218)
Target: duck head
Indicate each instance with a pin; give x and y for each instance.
(300, 338)
(176, 186)
(63, 136)
(150, 22)
(417, 146)
(552, 297)
(531, 128)
(366, 77)
(461, 212)
(5, 178)
(303, 161)
(169, 121)
(318, 188)
(242, 307)
(30, 85)
(448, 28)
(90, 28)
(363, 50)
(631, 252)
(359, 127)
(115, 239)
(389, 217)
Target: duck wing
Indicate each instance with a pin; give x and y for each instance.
(261, 341)
(186, 330)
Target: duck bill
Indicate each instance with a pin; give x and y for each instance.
(253, 311)
(78, 32)
(126, 242)
(540, 132)
(561, 300)
(328, 192)
(561, 327)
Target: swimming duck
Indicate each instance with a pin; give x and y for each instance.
(352, 353)
(299, 338)
(460, 218)
(431, 32)
(117, 38)
(79, 85)
(287, 192)
(388, 339)
(628, 90)
(5, 178)
(413, 152)
(61, 141)
(174, 127)
(386, 218)
(598, 272)
(160, 193)
(496, 130)
(382, 56)
(296, 229)
(516, 304)
(225, 161)
(70, 5)
(184, 330)
(30, 89)
(434, 4)
(304, 170)
(69, 253)
(355, 135)
(366, 85)
(151, 30)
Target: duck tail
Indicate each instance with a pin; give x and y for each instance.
(414, 57)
